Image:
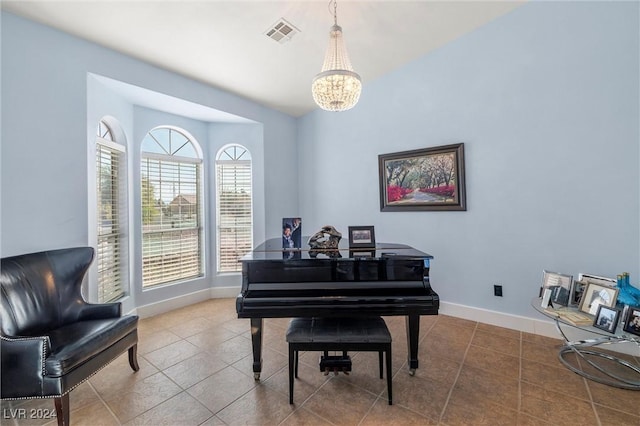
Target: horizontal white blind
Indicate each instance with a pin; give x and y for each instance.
(171, 221)
(234, 213)
(112, 212)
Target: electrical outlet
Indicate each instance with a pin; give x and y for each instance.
(497, 290)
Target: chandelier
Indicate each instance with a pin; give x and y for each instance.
(337, 87)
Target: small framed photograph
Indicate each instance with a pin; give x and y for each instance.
(632, 322)
(577, 290)
(291, 233)
(607, 318)
(559, 286)
(589, 278)
(596, 295)
(361, 237)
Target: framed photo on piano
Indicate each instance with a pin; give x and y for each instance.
(362, 237)
(423, 179)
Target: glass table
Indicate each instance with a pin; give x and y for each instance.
(586, 357)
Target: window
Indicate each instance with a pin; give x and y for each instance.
(171, 196)
(234, 212)
(111, 253)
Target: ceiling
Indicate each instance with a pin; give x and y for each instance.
(224, 43)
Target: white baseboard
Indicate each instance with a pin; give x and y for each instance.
(224, 292)
(500, 319)
(541, 327)
(163, 306)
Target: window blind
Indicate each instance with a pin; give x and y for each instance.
(112, 216)
(171, 219)
(235, 226)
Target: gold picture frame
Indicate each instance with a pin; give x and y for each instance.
(596, 295)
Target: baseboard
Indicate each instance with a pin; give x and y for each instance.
(541, 327)
(500, 319)
(163, 306)
(224, 292)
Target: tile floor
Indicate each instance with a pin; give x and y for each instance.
(196, 370)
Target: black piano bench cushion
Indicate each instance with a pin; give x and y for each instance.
(339, 334)
(353, 330)
(51, 339)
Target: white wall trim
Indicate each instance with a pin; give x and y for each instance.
(542, 327)
(224, 292)
(514, 322)
(500, 319)
(181, 301)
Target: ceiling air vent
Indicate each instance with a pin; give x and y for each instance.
(282, 31)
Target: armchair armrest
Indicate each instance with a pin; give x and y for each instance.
(91, 311)
(23, 365)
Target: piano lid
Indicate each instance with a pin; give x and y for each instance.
(272, 250)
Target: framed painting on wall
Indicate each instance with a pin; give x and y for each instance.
(423, 179)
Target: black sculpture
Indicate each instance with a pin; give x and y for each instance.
(325, 241)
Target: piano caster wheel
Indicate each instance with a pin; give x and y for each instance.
(256, 377)
(412, 371)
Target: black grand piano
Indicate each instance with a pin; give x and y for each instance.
(392, 279)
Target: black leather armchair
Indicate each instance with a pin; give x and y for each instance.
(51, 339)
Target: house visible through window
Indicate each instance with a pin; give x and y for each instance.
(111, 250)
(234, 207)
(171, 195)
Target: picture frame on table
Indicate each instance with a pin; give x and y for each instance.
(577, 290)
(423, 179)
(595, 295)
(557, 287)
(596, 279)
(632, 321)
(607, 318)
(362, 237)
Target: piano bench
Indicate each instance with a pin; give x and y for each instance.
(338, 334)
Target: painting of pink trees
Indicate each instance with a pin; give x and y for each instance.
(423, 179)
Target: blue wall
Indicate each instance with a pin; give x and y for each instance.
(51, 104)
(546, 101)
(544, 98)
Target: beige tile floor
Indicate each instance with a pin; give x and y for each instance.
(196, 370)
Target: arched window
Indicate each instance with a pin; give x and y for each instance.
(171, 196)
(111, 191)
(234, 206)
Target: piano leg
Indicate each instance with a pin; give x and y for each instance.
(413, 334)
(256, 343)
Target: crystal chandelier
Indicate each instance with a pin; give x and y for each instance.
(337, 87)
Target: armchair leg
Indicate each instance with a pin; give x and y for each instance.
(133, 357)
(62, 409)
